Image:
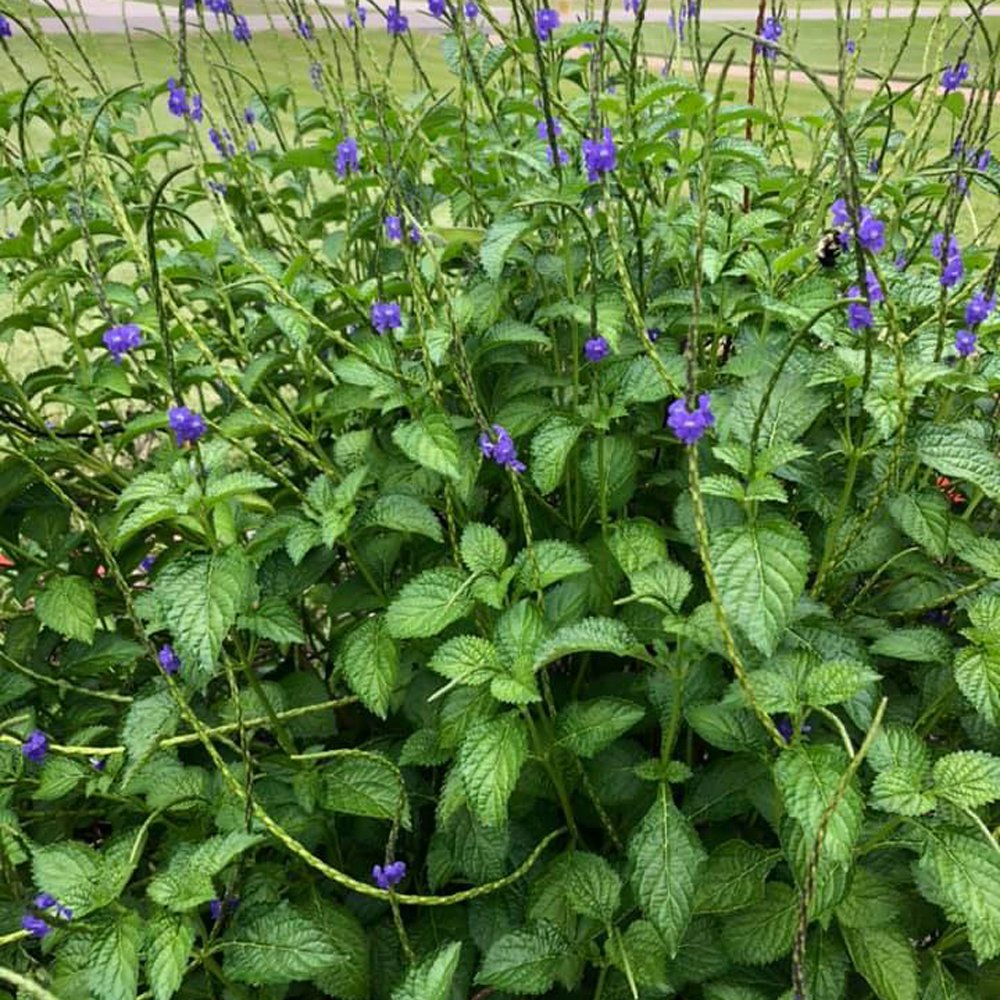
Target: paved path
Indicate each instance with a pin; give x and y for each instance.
(108, 16)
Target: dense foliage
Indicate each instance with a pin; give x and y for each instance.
(471, 542)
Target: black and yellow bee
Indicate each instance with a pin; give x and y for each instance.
(829, 248)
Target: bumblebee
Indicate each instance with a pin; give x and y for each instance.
(829, 248)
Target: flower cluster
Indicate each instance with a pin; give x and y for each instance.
(392, 874)
(386, 316)
(977, 311)
(119, 340)
(37, 926)
(223, 142)
(35, 747)
(859, 314)
(169, 661)
(187, 425)
(599, 157)
(393, 228)
(396, 23)
(689, 425)
(241, 30)
(546, 21)
(771, 32)
(359, 21)
(177, 103)
(952, 79)
(503, 450)
(347, 158)
(952, 267)
(219, 7)
(596, 348)
(871, 231)
(436, 8)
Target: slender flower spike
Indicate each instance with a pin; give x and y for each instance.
(169, 661)
(689, 426)
(392, 874)
(241, 30)
(396, 23)
(871, 232)
(546, 21)
(393, 227)
(503, 450)
(35, 747)
(386, 316)
(599, 157)
(965, 343)
(5, 28)
(119, 340)
(596, 348)
(347, 157)
(978, 308)
(771, 32)
(35, 926)
(187, 425)
(952, 79)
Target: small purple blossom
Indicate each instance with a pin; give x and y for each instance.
(35, 747)
(241, 30)
(546, 21)
(169, 661)
(187, 425)
(347, 157)
(35, 926)
(44, 900)
(304, 30)
(871, 232)
(218, 7)
(599, 157)
(838, 210)
(859, 316)
(965, 343)
(786, 727)
(416, 236)
(197, 111)
(386, 316)
(177, 100)
(218, 188)
(98, 763)
(5, 29)
(978, 308)
(900, 261)
(248, 116)
(223, 142)
(392, 874)
(653, 334)
(873, 165)
(216, 907)
(361, 20)
(951, 273)
(689, 425)
(435, 8)
(471, 10)
(631, 6)
(771, 32)
(147, 563)
(596, 348)
(396, 23)
(952, 79)
(503, 450)
(119, 340)
(984, 160)
(393, 227)
(851, 46)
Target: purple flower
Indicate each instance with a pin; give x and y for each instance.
(873, 166)
(347, 156)
(177, 100)
(839, 212)
(631, 6)
(187, 425)
(169, 661)
(875, 293)
(871, 232)
(859, 316)
(197, 112)
(599, 157)
(435, 8)
(217, 906)
(785, 726)
(218, 188)
(958, 148)
(951, 79)
(771, 32)
(653, 334)
(965, 342)
(121, 339)
(503, 450)
(35, 926)
(900, 261)
(546, 21)
(393, 227)
(248, 116)
(961, 183)
(386, 316)
(36, 746)
(5, 28)
(363, 17)
(596, 348)
(241, 30)
(147, 563)
(218, 7)
(471, 9)
(544, 131)
(396, 22)
(851, 46)
(984, 159)
(392, 874)
(689, 426)
(223, 142)
(98, 763)
(44, 900)
(978, 308)
(951, 273)
(304, 30)
(415, 235)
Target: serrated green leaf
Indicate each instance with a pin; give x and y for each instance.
(954, 451)
(525, 961)
(147, 721)
(275, 619)
(763, 932)
(291, 323)
(550, 449)
(466, 659)
(429, 603)
(920, 644)
(489, 762)
(399, 512)
(483, 548)
(665, 862)
(733, 877)
(67, 606)
(186, 882)
(113, 962)
(592, 635)
(902, 790)
(370, 662)
(968, 778)
(593, 887)
(364, 785)
(431, 442)
(637, 544)
(553, 561)
(498, 240)
(432, 978)
(347, 975)
(836, 681)
(585, 728)
(640, 950)
(169, 938)
(977, 674)
(761, 570)
(235, 484)
(667, 582)
(924, 518)
(70, 871)
(886, 959)
(279, 945)
(871, 901)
